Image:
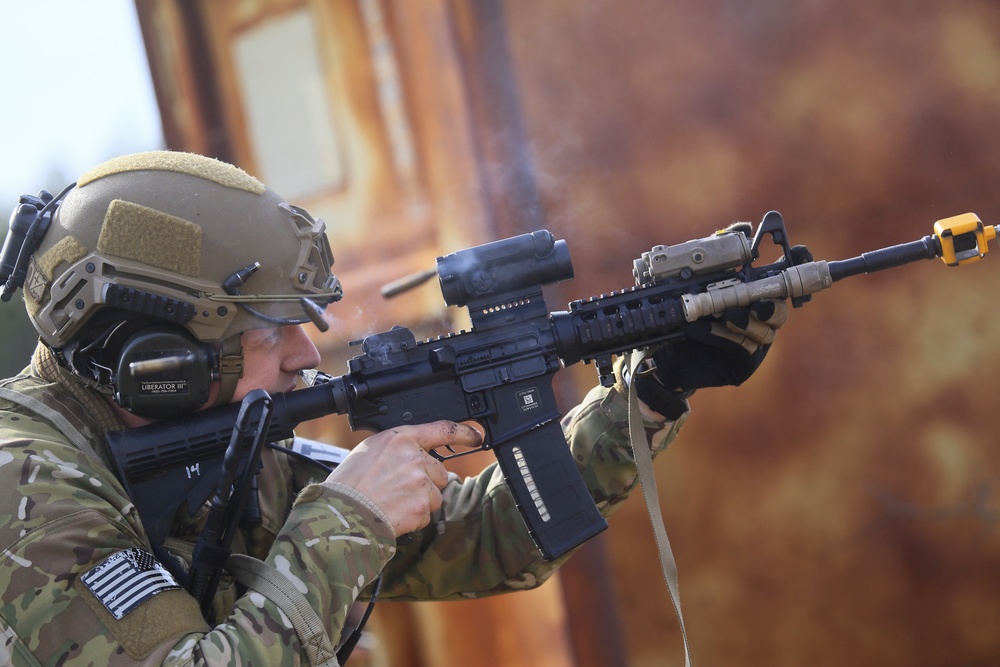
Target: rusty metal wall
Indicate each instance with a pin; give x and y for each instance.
(840, 507)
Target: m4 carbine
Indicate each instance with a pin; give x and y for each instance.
(500, 372)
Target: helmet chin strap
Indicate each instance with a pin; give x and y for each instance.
(230, 368)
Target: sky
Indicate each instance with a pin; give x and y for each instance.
(75, 90)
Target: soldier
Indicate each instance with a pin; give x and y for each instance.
(174, 252)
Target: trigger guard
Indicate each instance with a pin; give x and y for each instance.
(454, 454)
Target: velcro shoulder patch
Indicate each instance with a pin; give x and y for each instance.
(126, 579)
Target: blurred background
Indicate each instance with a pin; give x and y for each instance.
(839, 507)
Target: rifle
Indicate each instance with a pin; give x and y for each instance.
(500, 373)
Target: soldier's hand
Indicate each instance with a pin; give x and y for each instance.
(721, 351)
(395, 470)
(715, 352)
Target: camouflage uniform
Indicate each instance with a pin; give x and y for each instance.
(63, 514)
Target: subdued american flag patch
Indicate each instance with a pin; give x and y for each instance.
(126, 579)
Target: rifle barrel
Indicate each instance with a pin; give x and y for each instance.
(928, 247)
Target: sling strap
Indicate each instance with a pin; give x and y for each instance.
(647, 480)
(276, 587)
(60, 421)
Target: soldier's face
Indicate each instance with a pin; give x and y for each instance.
(272, 359)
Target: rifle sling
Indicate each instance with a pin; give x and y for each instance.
(647, 480)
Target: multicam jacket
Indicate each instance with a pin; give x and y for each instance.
(70, 535)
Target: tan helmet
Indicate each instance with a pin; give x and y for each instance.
(181, 238)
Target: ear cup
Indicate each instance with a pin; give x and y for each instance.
(164, 371)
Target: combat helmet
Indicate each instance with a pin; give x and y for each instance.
(170, 237)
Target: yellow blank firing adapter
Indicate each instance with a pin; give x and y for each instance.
(963, 238)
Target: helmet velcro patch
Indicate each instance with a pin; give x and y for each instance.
(143, 234)
(208, 168)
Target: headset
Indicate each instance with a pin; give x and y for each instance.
(151, 368)
(162, 370)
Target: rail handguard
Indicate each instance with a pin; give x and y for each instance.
(500, 373)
